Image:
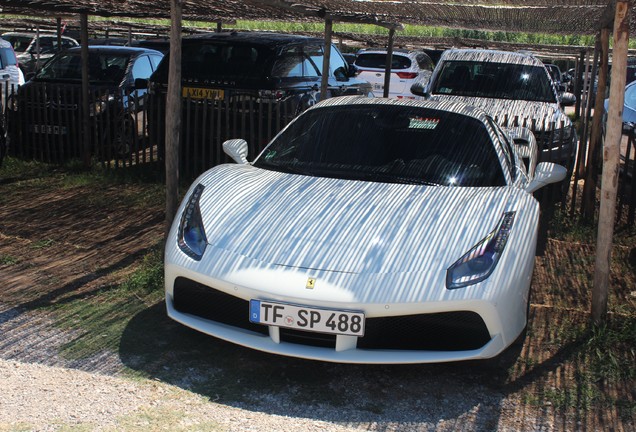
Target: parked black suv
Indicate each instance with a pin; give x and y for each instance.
(255, 82)
(225, 66)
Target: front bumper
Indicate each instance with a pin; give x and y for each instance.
(441, 333)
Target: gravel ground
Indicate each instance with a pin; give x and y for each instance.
(42, 391)
(48, 398)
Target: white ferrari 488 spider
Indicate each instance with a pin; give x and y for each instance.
(367, 231)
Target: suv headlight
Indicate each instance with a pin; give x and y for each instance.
(552, 139)
(191, 235)
(479, 262)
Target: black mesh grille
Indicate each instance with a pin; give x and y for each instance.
(307, 338)
(448, 331)
(200, 300)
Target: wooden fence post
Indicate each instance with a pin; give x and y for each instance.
(86, 132)
(173, 114)
(611, 161)
(389, 63)
(326, 59)
(591, 173)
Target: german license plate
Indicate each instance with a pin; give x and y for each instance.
(202, 93)
(307, 318)
(49, 129)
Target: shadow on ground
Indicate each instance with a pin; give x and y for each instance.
(454, 396)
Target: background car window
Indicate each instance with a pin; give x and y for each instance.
(293, 62)
(20, 43)
(142, 68)
(215, 60)
(67, 44)
(424, 62)
(337, 64)
(378, 61)
(155, 60)
(389, 144)
(106, 68)
(46, 46)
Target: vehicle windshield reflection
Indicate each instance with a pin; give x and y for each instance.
(495, 80)
(391, 144)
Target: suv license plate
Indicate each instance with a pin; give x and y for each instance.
(202, 93)
(307, 318)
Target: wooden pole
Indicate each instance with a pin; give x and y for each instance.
(324, 82)
(611, 161)
(591, 173)
(173, 114)
(389, 63)
(578, 88)
(86, 132)
(58, 22)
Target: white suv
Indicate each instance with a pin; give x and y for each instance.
(407, 67)
(515, 89)
(10, 74)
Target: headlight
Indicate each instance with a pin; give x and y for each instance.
(552, 139)
(478, 263)
(191, 236)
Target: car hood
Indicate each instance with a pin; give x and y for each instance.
(295, 221)
(542, 114)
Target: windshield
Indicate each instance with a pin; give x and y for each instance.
(384, 143)
(205, 60)
(494, 80)
(20, 43)
(103, 67)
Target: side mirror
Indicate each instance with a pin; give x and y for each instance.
(567, 99)
(236, 149)
(341, 74)
(546, 173)
(419, 88)
(141, 83)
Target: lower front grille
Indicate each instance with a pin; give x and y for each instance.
(200, 300)
(447, 331)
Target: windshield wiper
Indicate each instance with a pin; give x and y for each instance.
(386, 177)
(280, 168)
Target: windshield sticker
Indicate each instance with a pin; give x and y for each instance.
(423, 123)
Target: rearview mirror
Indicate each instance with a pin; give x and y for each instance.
(236, 149)
(546, 173)
(567, 99)
(419, 88)
(141, 83)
